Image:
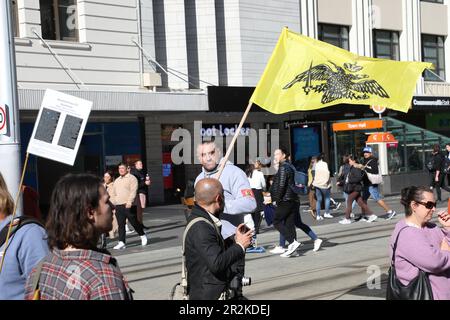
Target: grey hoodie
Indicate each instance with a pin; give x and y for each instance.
(239, 198)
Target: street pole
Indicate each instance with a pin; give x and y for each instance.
(9, 142)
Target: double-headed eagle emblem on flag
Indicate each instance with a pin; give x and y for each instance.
(341, 83)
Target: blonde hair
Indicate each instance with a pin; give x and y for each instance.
(6, 202)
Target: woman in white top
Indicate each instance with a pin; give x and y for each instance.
(258, 185)
(322, 185)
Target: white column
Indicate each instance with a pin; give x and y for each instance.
(207, 42)
(29, 18)
(176, 42)
(447, 45)
(361, 31)
(410, 38)
(308, 18)
(233, 42)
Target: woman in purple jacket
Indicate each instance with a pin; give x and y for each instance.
(422, 244)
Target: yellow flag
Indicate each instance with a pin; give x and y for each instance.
(307, 74)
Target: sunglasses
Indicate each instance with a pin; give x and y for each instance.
(429, 204)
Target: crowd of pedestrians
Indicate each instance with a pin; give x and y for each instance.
(67, 258)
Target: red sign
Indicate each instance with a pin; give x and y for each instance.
(3, 126)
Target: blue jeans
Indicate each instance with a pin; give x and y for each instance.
(326, 193)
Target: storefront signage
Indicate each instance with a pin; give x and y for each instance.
(224, 130)
(431, 101)
(357, 125)
(381, 137)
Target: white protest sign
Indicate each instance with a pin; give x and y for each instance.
(3, 120)
(59, 127)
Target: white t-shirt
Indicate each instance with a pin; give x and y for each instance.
(257, 180)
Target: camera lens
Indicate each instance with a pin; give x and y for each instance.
(246, 281)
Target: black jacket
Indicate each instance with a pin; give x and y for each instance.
(354, 180)
(438, 162)
(208, 261)
(371, 166)
(140, 176)
(283, 181)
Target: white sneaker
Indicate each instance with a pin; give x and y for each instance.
(291, 249)
(352, 215)
(391, 214)
(317, 244)
(371, 218)
(144, 240)
(127, 229)
(328, 216)
(318, 218)
(345, 221)
(120, 245)
(277, 250)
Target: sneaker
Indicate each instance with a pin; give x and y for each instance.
(345, 221)
(318, 218)
(291, 249)
(391, 214)
(371, 218)
(127, 230)
(317, 244)
(277, 250)
(352, 215)
(328, 216)
(120, 245)
(144, 240)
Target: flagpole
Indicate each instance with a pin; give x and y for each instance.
(230, 147)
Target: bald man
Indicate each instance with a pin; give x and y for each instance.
(208, 261)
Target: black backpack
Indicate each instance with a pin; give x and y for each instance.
(18, 223)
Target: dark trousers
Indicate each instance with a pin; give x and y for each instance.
(122, 214)
(256, 215)
(284, 220)
(356, 196)
(438, 184)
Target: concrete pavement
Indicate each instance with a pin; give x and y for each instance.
(352, 263)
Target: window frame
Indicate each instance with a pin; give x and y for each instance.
(54, 5)
(15, 18)
(394, 46)
(339, 37)
(434, 1)
(436, 63)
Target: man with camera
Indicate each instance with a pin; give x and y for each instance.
(239, 199)
(208, 260)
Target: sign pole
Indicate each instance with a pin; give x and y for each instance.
(10, 140)
(236, 134)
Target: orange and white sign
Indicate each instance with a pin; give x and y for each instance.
(357, 125)
(381, 137)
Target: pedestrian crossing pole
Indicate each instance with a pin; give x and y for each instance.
(9, 109)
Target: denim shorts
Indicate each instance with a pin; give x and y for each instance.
(373, 190)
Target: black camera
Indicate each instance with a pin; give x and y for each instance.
(240, 281)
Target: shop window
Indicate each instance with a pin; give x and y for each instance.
(59, 19)
(385, 45)
(15, 18)
(433, 51)
(334, 34)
